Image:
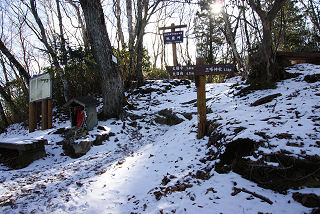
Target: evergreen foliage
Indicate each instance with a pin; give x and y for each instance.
(207, 31)
(290, 32)
(81, 74)
(123, 63)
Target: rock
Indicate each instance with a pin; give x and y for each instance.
(307, 200)
(167, 117)
(157, 195)
(180, 82)
(20, 155)
(79, 149)
(133, 124)
(165, 180)
(284, 136)
(76, 149)
(188, 115)
(100, 138)
(312, 78)
(202, 175)
(237, 149)
(102, 128)
(266, 99)
(60, 131)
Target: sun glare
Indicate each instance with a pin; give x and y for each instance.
(216, 7)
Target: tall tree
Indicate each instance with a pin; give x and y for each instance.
(290, 33)
(50, 50)
(24, 74)
(263, 65)
(138, 16)
(111, 84)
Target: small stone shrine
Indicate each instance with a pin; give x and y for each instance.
(83, 112)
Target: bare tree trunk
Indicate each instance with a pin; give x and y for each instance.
(5, 74)
(3, 116)
(111, 84)
(313, 10)
(23, 73)
(62, 39)
(139, 46)
(266, 69)
(119, 26)
(14, 109)
(50, 50)
(82, 25)
(230, 37)
(130, 44)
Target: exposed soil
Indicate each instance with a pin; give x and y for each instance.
(291, 172)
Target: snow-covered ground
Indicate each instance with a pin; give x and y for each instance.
(150, 168)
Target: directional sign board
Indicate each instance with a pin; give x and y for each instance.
(173, 37)
(213, 69)
(40, 87)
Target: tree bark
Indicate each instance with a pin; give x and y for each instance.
(62, 39)
(111, 84)
(119, 26)
(139, 46)
(230, 37)
(132, 55)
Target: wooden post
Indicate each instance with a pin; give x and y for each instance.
(49, 113)
(32, 116)
(201, 101)
(44, 112)
(174, 48)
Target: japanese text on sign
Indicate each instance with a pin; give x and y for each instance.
(173, 37)
(214, 69)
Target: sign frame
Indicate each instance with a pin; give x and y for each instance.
(199, 70)
(173, 37)
(36, 87)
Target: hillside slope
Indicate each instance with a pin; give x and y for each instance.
(152, 161)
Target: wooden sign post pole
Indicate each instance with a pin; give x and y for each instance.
(174, 47)
(201, 100)
(44, 111)
(49, 113)
(200, 71)
(32, 116)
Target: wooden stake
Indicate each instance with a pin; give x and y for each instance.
(49, 113)
(32, 117)
(201, 101)
(44, 112)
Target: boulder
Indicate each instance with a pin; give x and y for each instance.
(73, 146)
(266, 99)
(167, 117)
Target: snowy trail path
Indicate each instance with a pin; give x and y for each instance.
(123, 174)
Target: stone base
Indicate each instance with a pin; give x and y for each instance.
(21, 154)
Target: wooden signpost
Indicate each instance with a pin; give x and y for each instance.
(172, 38)
(40, 91)
(200, 70)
